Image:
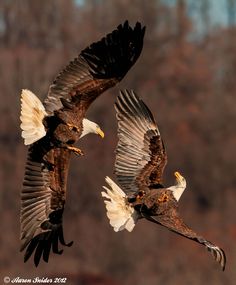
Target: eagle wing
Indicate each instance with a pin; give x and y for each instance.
(140, 153)
(172, 220)
(42, 201)
(97, 68)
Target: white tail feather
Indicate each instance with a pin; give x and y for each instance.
(32, 114)
(120, 214)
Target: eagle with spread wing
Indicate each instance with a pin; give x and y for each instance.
(53, 127)
(139, 165)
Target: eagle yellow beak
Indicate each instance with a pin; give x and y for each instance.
(178, 175)
(100, 133)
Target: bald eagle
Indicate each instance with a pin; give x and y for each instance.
(139, 165)
(53, 127)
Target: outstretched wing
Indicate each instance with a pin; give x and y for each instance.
(97, 68)
(171, 220)
(140, 153)
(42, 202)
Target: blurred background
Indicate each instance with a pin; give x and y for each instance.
(187, 76)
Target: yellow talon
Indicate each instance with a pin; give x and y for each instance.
(75, 150)
(140, 196)
(163, 198)
(72, 127)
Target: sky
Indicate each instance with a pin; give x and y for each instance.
(218, 10)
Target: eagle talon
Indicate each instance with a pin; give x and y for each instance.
(163, 198)
(75, 150)
(72, 127)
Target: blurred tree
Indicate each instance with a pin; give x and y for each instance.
(189, 84)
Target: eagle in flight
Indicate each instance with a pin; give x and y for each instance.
(53, 127)
(140, 161)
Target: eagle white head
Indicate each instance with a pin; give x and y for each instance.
(179, 187)
(91, 127)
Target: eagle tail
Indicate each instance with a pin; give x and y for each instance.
(115, 54)
(32, 115)
(120, 214)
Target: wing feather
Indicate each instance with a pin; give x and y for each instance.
(140, 153)
(97, 68)
(42, 202)
(174, 222)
